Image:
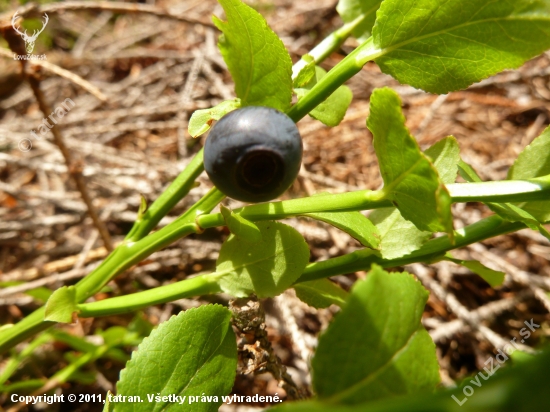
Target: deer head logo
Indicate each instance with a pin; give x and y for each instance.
(29, 40)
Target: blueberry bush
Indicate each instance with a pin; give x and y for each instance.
(387, 360)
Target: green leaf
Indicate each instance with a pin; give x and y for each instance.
(240, 227)
(201, 120)
(266, 268)
(518, 386)
(306, 74)
(62, 306)
(410, 180)
(377, 347)
(445, 156)
(467, 172)
(256, 57)
(191, 354)
(365, 10)
(399, 237)
(492, 277)
(320, 293)
(445, 45)
(333, 109)
(513, 213)
(534, 161)
(354, 224)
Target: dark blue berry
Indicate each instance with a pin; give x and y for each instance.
(253, 154)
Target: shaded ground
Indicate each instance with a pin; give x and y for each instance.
(155, 73)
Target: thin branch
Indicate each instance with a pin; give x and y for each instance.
(79, 81)
(112, 6)
(484, 313)
(55, 69)
(469, 318)
(89, 32)
(75, 169)
(50, 280)
(517, 275)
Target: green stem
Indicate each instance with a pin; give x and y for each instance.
(349, 263)
(339, 74)
(431, 250)
(352, 262)
(30, 325)
(504, 191)
(196, 219)
(329, 44)
(15, 361)
(124, 257)
(197, 286)
(343, 202)
(134, 252)
(177, 190)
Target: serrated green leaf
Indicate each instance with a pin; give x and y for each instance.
(362, 10)
(257, 59)
(411, 182)
(399, 236)
(201, 120)
(354, 224)
(306, 74)
(534, 161)
(445, 156)
(321, 293)
(266, 268)
(377, 347)
(62, 305)
(445, 45)
(332, 111)
(521, 386)
(492, 277)
(191, 354)
(240, 227)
